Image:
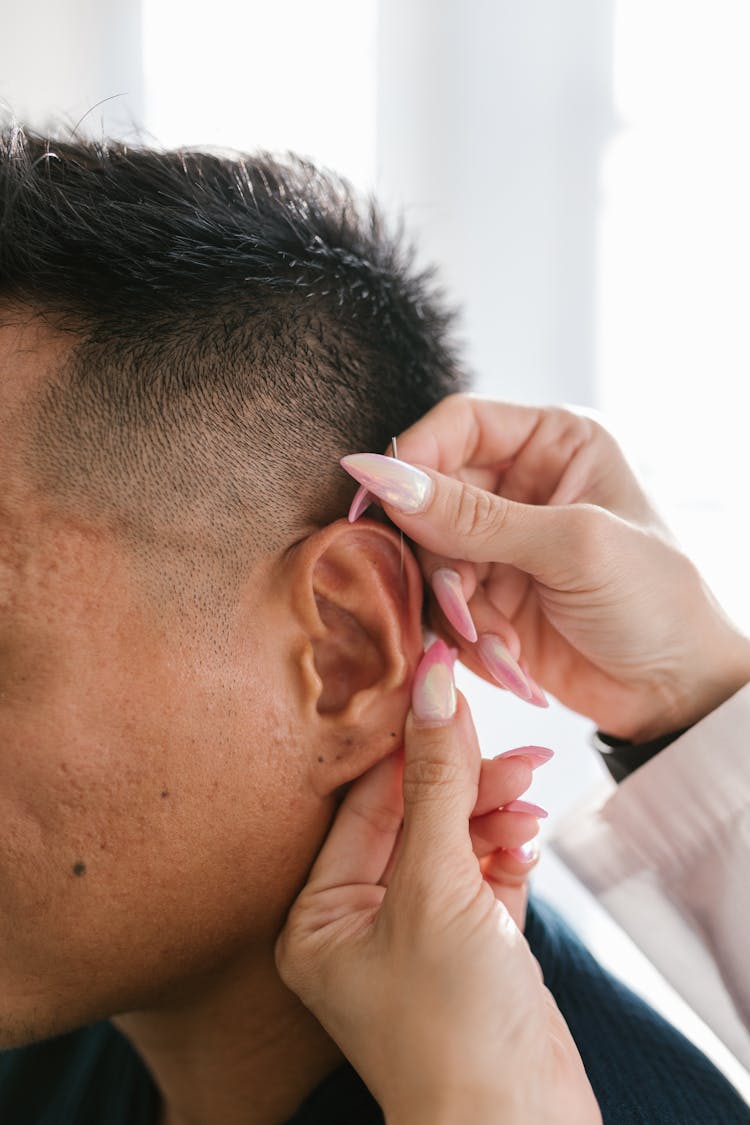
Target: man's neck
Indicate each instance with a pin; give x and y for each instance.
(243, 1051)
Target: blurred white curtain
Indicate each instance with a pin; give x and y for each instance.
(62, 60)
(674, 294)
(293, 75)
(492, 119)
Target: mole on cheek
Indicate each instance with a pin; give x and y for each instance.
(79, 868)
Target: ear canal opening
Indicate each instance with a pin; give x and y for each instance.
(347, 659)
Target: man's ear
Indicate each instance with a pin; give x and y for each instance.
(359, 615)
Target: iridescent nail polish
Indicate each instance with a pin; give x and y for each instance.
(538, 698)
(526, 807)
(537, 755)
(360, 504)
(527, 853)
(501, 665)
(433, 697)
(447, 587)
(394, 482)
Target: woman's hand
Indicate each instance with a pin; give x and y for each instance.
(403, 946)
(565, 565)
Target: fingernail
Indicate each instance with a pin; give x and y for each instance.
(394, 482)
(526, 807)
(527, 853)
(433, 696)
(500, 664)
(537, 755)
(360, 504)
(446, 585)
(538, 698)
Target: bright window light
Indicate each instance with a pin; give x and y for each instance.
(674, 326)
(294, 76)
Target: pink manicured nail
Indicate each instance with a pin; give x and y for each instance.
(538, 698)
(433, 695)
(526, 807)
(394, 482)
(537, 755)
(360, 504)
(500, 664)
(446, 584)
(527, 853)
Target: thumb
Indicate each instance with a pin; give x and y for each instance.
(461, 521)
(442, 764)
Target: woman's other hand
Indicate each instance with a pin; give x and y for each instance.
(403, 943)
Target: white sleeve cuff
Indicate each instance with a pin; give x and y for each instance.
(669, 855)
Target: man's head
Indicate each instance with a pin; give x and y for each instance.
(193, 656)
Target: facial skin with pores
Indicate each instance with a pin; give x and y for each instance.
(168, 777)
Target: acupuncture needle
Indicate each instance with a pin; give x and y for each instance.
(394, 453)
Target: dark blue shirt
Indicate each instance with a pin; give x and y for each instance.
(94, 1077)
(642, 1070)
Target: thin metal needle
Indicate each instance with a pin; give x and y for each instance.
(394, 451)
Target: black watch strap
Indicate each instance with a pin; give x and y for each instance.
(622, 757)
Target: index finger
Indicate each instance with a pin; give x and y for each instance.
(459, 521)
(467, 430)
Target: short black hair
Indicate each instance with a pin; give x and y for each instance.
(236, 324)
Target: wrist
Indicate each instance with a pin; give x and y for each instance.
(719, 672)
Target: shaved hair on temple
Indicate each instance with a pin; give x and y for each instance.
(230, 327)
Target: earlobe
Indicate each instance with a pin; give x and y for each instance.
(361, 615)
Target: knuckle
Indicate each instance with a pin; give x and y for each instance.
(572, 430)
(598, 426)
(479, 514)
(452, 400)
(602, 438)
(449, 406)
(564, 417)
(591, 530)
(685, 575)
(426, 778)
(585, 428)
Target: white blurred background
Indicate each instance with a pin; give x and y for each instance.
(581, 174)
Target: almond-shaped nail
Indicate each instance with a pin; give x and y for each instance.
(537, 755)
(446, 585)
(360, 504)
(501, 665)
(433, 695)
(527, 853)
(526, 807)
(394, 482)
(538, 698)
